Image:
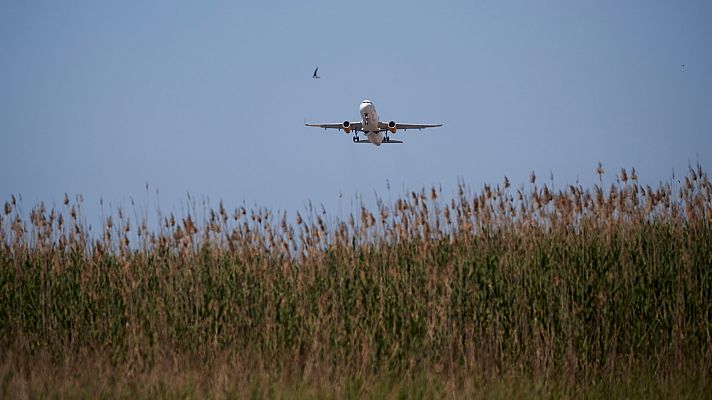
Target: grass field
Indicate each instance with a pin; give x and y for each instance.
(501, 292)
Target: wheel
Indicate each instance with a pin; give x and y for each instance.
(355, 139)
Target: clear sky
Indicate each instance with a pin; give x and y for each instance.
(209, 98)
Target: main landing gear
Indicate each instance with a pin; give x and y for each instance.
(386, 138)
(356, 139)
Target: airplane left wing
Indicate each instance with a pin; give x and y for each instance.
(385, 126)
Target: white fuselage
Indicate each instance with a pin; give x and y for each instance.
(369, 121)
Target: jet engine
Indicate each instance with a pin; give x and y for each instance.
(392, 126)
(346, 126)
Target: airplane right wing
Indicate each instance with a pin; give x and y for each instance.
(350, 126)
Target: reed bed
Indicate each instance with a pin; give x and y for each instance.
(558, 292)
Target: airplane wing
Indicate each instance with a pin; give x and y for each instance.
(404, 127)
(354, 126)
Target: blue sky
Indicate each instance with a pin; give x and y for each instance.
(209, 98)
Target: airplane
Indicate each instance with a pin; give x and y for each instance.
(372, 127)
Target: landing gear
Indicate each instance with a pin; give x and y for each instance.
(356, 139)
(386, 139)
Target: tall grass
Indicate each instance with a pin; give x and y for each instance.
(573, 287)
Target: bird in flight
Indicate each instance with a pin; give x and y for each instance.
(315, 76)
(372, 127)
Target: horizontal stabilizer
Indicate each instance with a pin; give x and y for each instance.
(383, 142)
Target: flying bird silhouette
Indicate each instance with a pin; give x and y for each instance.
(315, 76)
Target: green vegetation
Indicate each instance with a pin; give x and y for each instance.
(528, 292)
